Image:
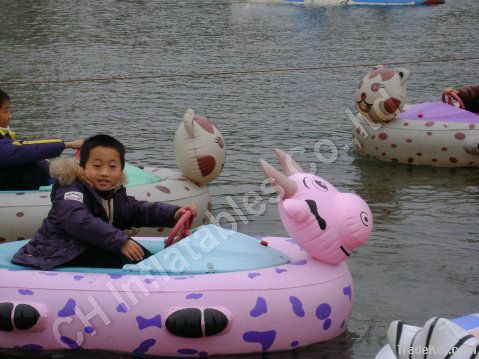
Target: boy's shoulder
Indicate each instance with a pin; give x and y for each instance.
(74, 189)
(6, 135)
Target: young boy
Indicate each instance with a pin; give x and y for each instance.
(90, 210)
(23, 164)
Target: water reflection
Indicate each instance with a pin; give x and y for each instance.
(387, 186)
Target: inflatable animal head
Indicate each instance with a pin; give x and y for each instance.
(200, 150)
(381, 94)
(326, 223)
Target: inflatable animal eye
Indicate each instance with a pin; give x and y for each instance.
(320, 185)
(360, 84)
(364, 218)
(376, 86)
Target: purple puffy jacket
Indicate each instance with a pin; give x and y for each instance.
(78, 220)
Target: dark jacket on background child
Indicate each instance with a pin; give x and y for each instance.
(22, 163)
(82, 217)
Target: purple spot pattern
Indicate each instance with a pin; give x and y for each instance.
(347, 291)
(260, 307)
(25, 292)
(252, 275)
(297, 306)
(280, 270)
(121, 308)
(32, 347)
(323, 311)
(342, 324)
(115, 276)
(266, 339)
(194, 296)
(78, 277)
(187, 351)
(295, 343)
(144, 346)
(300, 262)
(145, 323)
(327, 324)
(68, 310)
(148, 281)
(89, 330)
(70, 342)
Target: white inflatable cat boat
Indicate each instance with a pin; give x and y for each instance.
(199, 152)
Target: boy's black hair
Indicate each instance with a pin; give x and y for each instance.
(103, 141)
(3, 97)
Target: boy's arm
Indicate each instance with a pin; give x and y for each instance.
(81, 225)
(151, 214)
(14, 153)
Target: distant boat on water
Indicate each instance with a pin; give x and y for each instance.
(351, 2)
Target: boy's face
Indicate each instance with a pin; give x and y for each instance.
(5, 114)
(103, 168)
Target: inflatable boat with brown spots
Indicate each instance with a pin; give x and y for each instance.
(199, 152)
(431, 134)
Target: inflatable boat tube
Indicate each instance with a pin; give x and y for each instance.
(439, 338)
(431, 133)
(214, 292)
(22, 212)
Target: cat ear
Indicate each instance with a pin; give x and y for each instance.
(188, 122)
(404, 74)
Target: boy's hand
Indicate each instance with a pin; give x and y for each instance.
(449, 89)
(182, 210)
(74, 144)
(132, 250)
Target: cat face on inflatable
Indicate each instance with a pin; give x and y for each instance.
(324, 222)
(200, 149)
(381, 94)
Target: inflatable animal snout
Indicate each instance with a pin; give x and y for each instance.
(381, 94)
(326, 223)
(200, 150)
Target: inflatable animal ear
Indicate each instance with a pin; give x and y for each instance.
(326, 223)
(381, 94)
(199, 147)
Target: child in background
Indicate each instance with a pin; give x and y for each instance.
(23, 164)
(90, 210)
(469, 96)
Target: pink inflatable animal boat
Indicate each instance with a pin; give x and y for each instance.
(215, 291)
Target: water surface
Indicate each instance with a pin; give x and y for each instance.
(422, 258)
